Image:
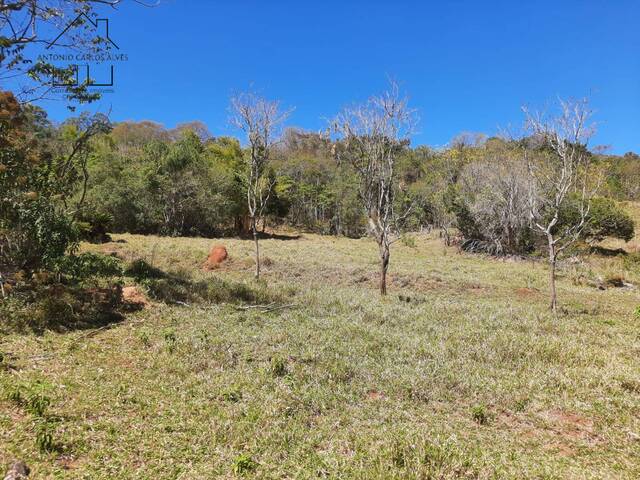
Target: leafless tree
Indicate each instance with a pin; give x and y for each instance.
(496, 193)
(560, 170)
(261, 120)
(371, 137)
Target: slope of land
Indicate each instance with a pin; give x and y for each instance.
(460, 372)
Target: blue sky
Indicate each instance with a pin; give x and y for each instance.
(466, 65)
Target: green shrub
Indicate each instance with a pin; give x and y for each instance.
(38, 177)
(93, 225)
(171, 339)
(37, 404)
(35, 234)
(88, 265)
(278, 366)
(605, 219)
(408, 241)
(243, 464)
(44, 437)
(480, 414)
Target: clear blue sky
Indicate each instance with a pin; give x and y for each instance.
(467, 65)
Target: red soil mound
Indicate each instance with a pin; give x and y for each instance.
(134, 298)
(217, 255)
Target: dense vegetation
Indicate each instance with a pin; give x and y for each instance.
(86, 177)
(145, 179)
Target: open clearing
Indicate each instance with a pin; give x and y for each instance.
(459, 373)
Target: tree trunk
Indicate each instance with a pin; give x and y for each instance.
(384, 265)
(553, 257)
(254, 230)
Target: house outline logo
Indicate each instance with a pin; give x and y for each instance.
(94, 23)
(82, 67)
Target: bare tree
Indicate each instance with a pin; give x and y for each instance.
(560, 171)
(371, 137)
(495, 193)
(261, 120)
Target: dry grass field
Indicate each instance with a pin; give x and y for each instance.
(460, 372)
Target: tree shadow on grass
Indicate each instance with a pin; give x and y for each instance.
(269, 236)
(179, 287)
(61, 308)
(608, 252)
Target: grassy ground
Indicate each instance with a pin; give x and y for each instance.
(470, 378)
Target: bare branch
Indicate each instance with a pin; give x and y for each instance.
(370, 137)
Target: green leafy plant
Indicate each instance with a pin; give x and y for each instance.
(144, 338)
(408, 241)
(45, 437)
(37, 404)
(171, 339)
(243, 464)
(88, 265)
(278, 366)
(479, 414)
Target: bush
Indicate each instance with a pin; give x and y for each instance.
(491, 209)
(34, 234)
(479, 414)
(40, 168)
(606, 219)
(88, 265)
(93, 225)
(57, 307)
(243, 464)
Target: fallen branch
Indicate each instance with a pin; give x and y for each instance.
(249, 307)
(271, 307)
(280, 307)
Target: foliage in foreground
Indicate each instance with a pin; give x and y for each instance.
(85, 291)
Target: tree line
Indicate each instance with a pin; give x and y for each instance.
(541, 191)
(87, 176)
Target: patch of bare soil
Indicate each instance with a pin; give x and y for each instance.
(571, 425)
(375, 395)
(134, 298)
(68, 462)
(526, 292)
(559, 432)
